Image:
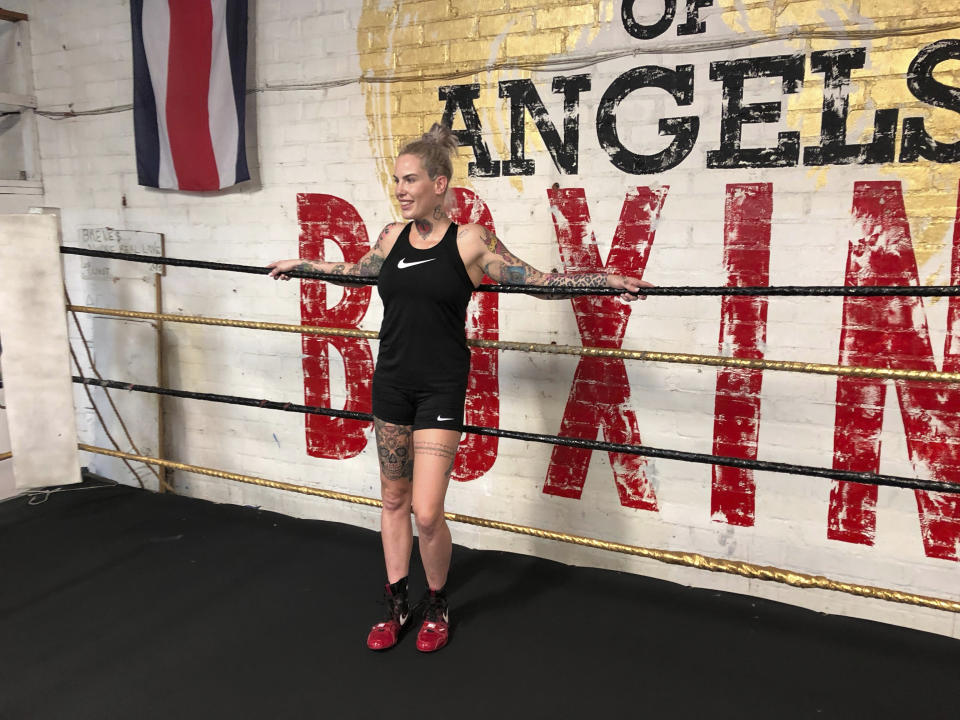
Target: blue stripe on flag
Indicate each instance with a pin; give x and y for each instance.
(144, 106)
(237, 42)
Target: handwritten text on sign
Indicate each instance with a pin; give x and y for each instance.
(125, 241)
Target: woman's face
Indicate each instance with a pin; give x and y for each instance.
(417, 194)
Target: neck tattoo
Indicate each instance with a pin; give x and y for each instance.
(438, 213)
(424, 227)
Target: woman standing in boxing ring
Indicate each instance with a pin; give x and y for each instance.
(427, 269)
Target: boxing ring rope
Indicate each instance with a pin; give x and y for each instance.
(682, 291)
(671, 557)
(566, 441)
(642, 355)
(5, 456)
(694, 560)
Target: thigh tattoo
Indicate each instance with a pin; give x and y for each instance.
(438, 449)
(393, 450)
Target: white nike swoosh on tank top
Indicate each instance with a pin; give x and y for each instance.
(404, 264)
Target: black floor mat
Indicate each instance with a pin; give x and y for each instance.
(119, 603)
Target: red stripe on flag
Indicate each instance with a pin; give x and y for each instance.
(188, 87)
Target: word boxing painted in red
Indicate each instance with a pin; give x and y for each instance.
(886, 332)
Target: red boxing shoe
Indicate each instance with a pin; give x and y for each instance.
(435, 631)
(384, 635)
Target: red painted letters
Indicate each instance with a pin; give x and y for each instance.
(477, 453)
(877, 332)
(892, 332)
(743, 330)
(599, 398)
(329, 217)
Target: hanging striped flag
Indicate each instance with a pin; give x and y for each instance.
(189, 87)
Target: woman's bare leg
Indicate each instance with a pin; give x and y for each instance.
(434, 451)
(395, 451)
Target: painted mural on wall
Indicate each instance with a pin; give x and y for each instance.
(768, 97)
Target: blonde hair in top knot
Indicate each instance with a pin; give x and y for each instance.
(436, 149)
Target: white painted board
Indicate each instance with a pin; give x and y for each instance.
(35, 361)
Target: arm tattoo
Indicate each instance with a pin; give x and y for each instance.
(583, 280)
(378, 245)
(490, 240)
(336, 269)
(513, 275)
(508, 269)
(369, 266)
(560, 280)
(393, 449)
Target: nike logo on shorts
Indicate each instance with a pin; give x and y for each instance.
(404, 264)
(443, 419)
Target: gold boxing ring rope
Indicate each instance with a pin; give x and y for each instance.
(642, 355)
(672, 557)
(694, 560)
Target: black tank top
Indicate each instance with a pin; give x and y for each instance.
(423, 340)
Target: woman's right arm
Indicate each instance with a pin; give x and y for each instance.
(367, 266)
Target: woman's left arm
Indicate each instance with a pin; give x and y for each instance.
(507, 269)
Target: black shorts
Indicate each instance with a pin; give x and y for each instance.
(435, 408)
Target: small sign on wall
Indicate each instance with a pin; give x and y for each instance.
(125, 241)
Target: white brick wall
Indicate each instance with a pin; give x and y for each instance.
(318, 141)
